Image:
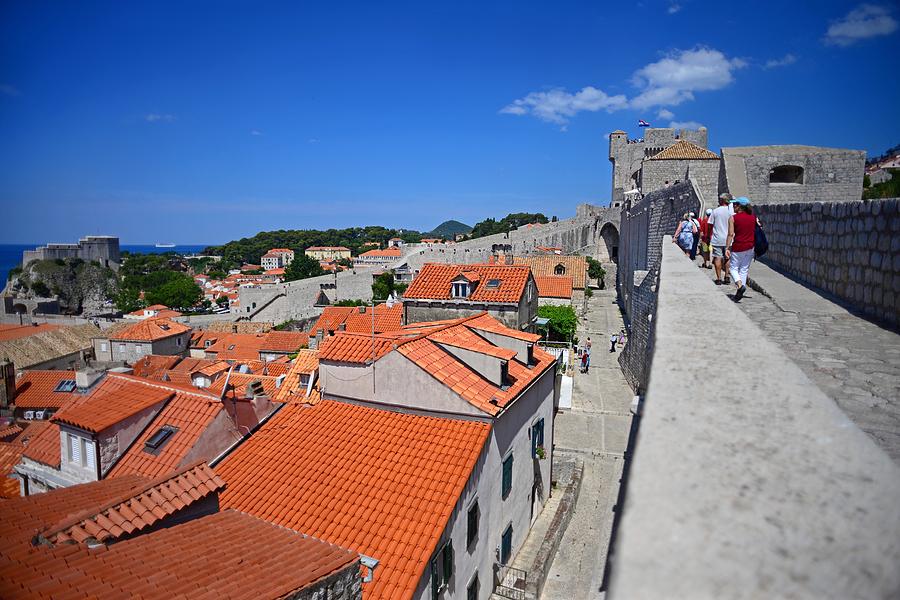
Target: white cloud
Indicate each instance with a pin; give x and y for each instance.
(159, 118)
(674, 7)
(665, 114)
(787, 59)
(312, 141)
(8, 90)
(255, 132)
(558, 105)
(685, 125)
(864, 21)
(674, 79)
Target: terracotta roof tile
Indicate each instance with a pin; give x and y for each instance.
(150, 330)
(487, 323)
(10, 454)
(9, 432)
(461, 336)
(386, 319)
(192, 365)
(685, 150)
(306, 363)
(14, 332)
(392, 252)
(137, 509)
(179, 378)
(331, 318)
(237, 383)
(44, 445)
(553, 265)
(434, 282)
(555, 286)
(189, 414)
(285, 341)
(35, 389)
(237, 346)
(332, 471)
(114, 399)
(152, 365)
(355, 347)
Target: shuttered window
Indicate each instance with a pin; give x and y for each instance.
(507, 476)
(89, 454)
(537, 437)
(74, 449)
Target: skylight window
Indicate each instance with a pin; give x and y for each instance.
(231, 347)
(493, 283)
(66, 385)
(163, 326)
(159, 438)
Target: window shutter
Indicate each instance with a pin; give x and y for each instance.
(75, 449)
(435, 579)
(89, 453)
(448, 561)
(507, 476)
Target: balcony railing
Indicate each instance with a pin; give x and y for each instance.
(510, 582)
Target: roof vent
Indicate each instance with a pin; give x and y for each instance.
(362, 310)
(279, 380)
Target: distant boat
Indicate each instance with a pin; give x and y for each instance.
(168, 245)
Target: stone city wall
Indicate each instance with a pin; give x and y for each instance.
(760, 490)
(849, 249)
(640, 249)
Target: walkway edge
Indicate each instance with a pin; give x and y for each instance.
(544, 559)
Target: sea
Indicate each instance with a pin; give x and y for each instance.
(11, 254)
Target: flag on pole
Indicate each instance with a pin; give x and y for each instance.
(643, 123)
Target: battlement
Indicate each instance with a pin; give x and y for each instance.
(101, 248)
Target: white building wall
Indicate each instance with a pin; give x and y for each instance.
(511, 433)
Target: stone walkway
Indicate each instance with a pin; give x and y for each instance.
(595, 430)
(853, 361)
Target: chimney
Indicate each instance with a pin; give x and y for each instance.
(509, 259)
(234, 329)
(7, 383)
(362, 310)
(279, 380)
(85, 378)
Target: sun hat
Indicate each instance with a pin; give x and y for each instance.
(708, 211)
(742, 200)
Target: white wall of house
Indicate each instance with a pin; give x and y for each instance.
(510, 435)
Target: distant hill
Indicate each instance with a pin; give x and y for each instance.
(448, 229)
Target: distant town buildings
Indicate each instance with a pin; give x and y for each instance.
(378, 258)
(277, 258)
(328, 253)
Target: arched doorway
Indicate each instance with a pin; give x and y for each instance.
(609, 236)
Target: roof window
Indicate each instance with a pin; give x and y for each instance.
(460, 290)
(163, 326)
(66, 385)
(155, 441)
(493, 283)
(231, 347)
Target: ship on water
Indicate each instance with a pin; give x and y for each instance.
(165, 245)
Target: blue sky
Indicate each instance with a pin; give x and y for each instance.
(200, 122)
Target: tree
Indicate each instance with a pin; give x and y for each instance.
(596, 271)
(563, 321)
(40, 289)
(222, 301)
(383, 286)
(179, 292)
(128, 299)
(302, 267)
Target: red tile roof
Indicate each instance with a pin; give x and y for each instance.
(150, 330)
(331, 318)
(685, 150)
(179, 378)
(461, 336)
(340, 248)
(306, 363)
(358, 477)
(386, 319)
(555, 286)
(434, 282)
(137, 509)
(14, 332)
(237, 384)
(10, 454)
(214, 369)
(238, 346)
(392, 252)
(355, 347)
(553, 265)
(191, 365)
(44, 445)
(488, 323)
(34, 389)
(113, 400)
(153, 365)
(190, 413)
(285, 341)
(196, 559)
(9, 432)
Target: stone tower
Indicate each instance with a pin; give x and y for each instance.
(7, 383)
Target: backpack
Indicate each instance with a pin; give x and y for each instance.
(760, 243)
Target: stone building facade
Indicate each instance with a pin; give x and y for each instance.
(788, 174)
(101, 248)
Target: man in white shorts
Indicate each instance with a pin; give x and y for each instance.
(718, 220)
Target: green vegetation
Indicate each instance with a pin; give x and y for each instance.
(563, 321)
(448, 230)
(302, 267)
(159, 277)
(886, 189)
(596, 271)
(351, 303)
(250, 250)
(73, 280)
(385, 285)
(507, 223)
(15, 271)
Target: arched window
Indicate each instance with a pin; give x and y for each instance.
(560, 270)
(786, 174)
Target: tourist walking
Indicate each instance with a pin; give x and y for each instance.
(741, 239)
(612, 342)
(684, 234)
(585, 357)
(705, 233)
(718, 221)
(696, 232)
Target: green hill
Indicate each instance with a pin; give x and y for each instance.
(448, 229)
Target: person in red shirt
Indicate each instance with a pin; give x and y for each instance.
(705, 237)
(739, 247)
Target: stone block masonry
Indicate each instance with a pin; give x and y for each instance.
(849, 249)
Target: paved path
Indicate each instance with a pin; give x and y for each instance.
(595, 430)
(852, 360)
